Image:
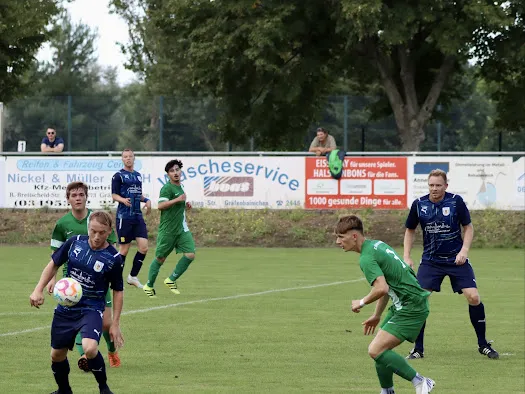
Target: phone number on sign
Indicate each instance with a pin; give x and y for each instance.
(57, 203)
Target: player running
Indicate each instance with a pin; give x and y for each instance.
(173, 231)
(95, 264)
(441, 216)
(76, 222)
(390, 277)
(126, 189)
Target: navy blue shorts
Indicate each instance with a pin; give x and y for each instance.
(66, 326)
(430, 276)
(130, 229)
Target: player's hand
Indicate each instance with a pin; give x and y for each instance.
(51, 286)
(461, 257)
(147, 208)
(370, 324)
(116, 335)
(126, 202)
(36, 299)
(409, 261)
(188, 205)
(356, 306)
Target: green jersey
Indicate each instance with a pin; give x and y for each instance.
(378, 259)
(68, 226)
(173, 219)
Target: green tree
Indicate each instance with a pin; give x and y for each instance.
(73, 72)
(271, 64)
(24, 27)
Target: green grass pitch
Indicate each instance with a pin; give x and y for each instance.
(267, 321)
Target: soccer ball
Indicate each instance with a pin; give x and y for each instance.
(67, 292)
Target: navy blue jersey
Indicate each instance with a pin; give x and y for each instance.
(95, 270)
(441, 224)
(128, 185)
(57, 141)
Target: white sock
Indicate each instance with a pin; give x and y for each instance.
(417, 380)
(389, 390)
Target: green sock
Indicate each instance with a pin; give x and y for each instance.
(182, 266)
(154, 268)
(385, 375)
(78, 344)
(109, 342)
(396, 364)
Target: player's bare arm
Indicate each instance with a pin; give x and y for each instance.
(114, 330)
(37, 297)
(379, 289)
(468, 236)
(408, 242)
(148, 204)
(167, 204)
(370, 324)
(118, 198)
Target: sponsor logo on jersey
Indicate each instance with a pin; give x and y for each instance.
(228, 186)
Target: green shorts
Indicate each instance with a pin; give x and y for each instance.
(109, 302)
(182, 243)
(405, 324)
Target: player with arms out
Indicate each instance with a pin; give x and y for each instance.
(173, 231)
(389, 277)
(76, 222)
(445, 253)
(126, 189)
(96, 265)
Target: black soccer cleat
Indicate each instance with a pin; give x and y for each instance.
(414, 354)
(83, 364)
(106, 391)
(487, 350)
(62, 392)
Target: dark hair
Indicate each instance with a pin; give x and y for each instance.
(102, 217)
(172, 163)
(322, 129)
(349, 223)
(52, 128)
(74, 186)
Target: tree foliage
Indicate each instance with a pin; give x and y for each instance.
(271, 64)
(24, 27)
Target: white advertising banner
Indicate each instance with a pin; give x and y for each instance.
(211, 182)
(483, 182)
(518, 201)
(2, 181)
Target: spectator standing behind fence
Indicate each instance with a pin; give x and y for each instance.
(52, 143)
(323, 143)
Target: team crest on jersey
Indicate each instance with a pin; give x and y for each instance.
(446, 211)
(139, 178)
(98, 266)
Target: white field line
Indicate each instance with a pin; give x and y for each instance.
(156, 308)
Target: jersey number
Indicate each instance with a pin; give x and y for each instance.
(390, 251)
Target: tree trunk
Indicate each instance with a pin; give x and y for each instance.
(412, 135)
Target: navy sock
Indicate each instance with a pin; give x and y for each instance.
(477, 318)
(137, 264)
(98, 368)
(123, 257)
(419, 340)
(61, 372)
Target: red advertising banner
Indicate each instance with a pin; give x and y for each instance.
(367, 182)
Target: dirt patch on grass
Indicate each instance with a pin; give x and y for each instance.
(275, 228)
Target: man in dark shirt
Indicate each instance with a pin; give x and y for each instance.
(52, 143)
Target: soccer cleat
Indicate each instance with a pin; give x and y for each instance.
(114, 360)
(83, 363)
(150, 291)
(171, 285)
(425, 386)
(106, 391)
(62, 392)
(134, 281)
(414, 354)
(488, 351)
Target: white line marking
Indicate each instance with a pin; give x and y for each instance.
(155, 308)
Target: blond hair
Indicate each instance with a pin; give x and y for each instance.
(438, 172)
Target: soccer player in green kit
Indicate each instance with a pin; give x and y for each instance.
(173, 231)
(75, 222)
(390, 277)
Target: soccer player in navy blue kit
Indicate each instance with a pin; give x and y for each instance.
(126, 189)
(96, 265)
(441, 216)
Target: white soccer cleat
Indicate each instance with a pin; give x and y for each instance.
(134, 281)
(425, 386)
